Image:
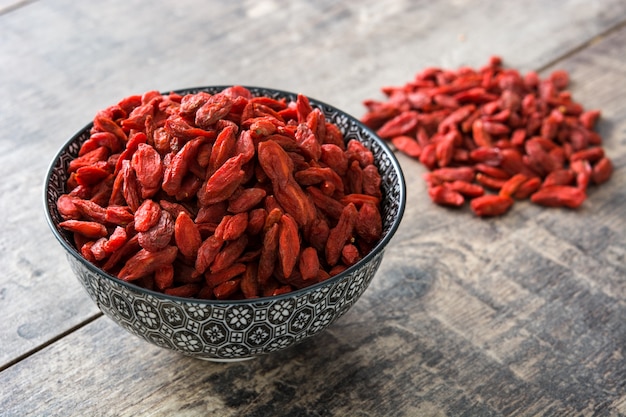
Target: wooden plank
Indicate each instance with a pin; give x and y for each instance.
(521, 315)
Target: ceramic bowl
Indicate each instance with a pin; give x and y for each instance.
(242, 329)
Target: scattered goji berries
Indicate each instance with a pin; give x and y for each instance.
(494, 130)
(221, 196)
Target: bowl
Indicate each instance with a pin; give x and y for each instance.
(235, 330)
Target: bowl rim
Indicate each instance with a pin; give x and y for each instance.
(378, 248)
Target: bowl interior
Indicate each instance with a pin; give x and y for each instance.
(393, 187)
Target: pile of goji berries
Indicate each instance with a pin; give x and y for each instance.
(492, 136)
(221, 196)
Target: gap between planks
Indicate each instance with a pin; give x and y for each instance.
(50, 342)
(597, 38)
(15, 6)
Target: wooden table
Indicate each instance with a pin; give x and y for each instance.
(519, 315)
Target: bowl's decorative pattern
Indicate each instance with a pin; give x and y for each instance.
(227, 330)
(235, 330)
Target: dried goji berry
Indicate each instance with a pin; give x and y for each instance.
(590, 154)
(90, 210)
(583, 171)
(527, 188)
(67, 208)
(92, 174)
(481, 137)
(341, 233)
(467, 189)
(444, 148)
(130, 186)
(216, 107)
(256, 221)
(309, 264)
(309, 144)
(229, 253)
(491, 205)
(317, 175)
(441, 175)
(88, 229)
(105, 124)
(249, 282)
(98, 139)
(146, 162)
(145, 262)
(269, 251)
(589, 118)
(164, 277)
(232, 227)
(399, 125)
(214, 279)
(99, 154)
(288, 244)
(357, 151)
(490, 182)
(487, 155)
(132, 145)
(276, 164)
(158, 236)
(207, 252)
(358, 199)
(179, 165)
(512, 185)
(372, 181)
(227, 289)
(428, 157)
(246, 199)
(407, 145)
(147, 215)
(223, 148)
(559, 196)
(602, 171)
(492, 171)
(445, 196)
(185, 290)
(559, 177)
(350, 254)
(318, 234)
(222, 184)
(354, 178)
(187, 236)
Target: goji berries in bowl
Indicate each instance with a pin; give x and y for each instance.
(224, 222)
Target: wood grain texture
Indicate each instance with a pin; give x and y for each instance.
(521, 315)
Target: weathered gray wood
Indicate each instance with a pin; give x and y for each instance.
(521, 315)
(7, 6)
(61, 61)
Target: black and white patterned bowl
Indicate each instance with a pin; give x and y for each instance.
(242, 329)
